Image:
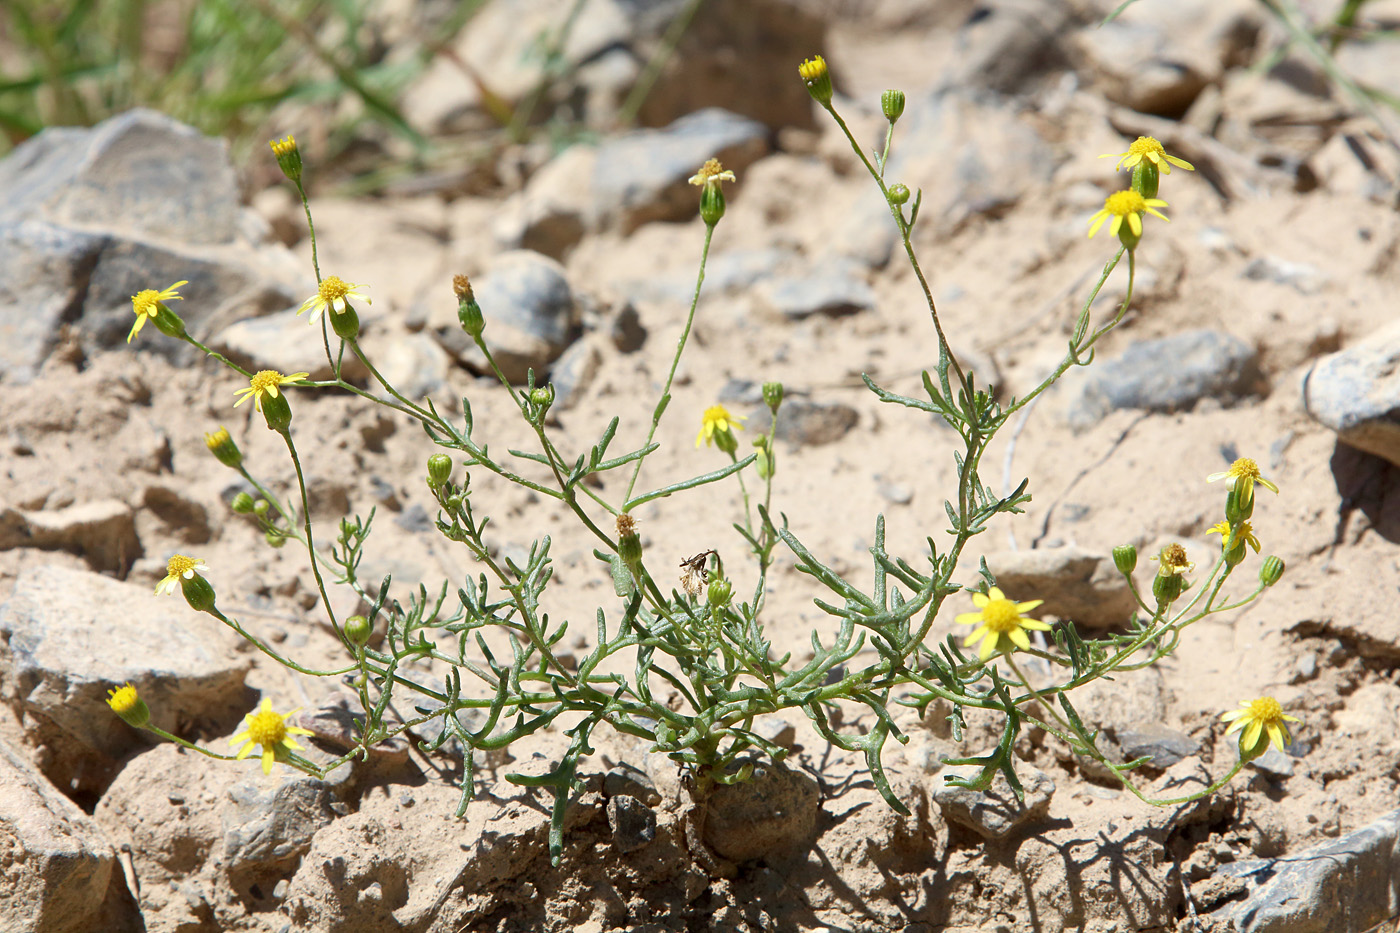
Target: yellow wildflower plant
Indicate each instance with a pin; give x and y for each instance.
(146, 304)
(1146, 148)
(267, 382)
(718, 422)
(815, 74)
(177, 568)
(1263, 721)
(127, 704)
(1246, 535)
(1243, 474)
(268, 729)
(997, 617)
(331, 293)
(1126, 206)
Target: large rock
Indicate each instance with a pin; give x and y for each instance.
(994, 813)
(103, 532)
(771, 814)
(68, 636)
(1076, 585)
(60, 873)
(89, 217)
(1356, 392)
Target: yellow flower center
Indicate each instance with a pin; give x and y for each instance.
(123, 699)
(1146, 146)
(1244, 468)
(267, 728)
(264, 380)
(1174, 560)
(1001, 615)
(333, 288)
(710, 169)
(1264, 709)
(812, 68)
(145, 301)
(1123, 203)
(179, 565)
(718, 417)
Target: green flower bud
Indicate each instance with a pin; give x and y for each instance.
(288, 157)
(199, 592)
(1272, 570)
(1166, 588)
(223, 448)
(242, 503)
(892, 104)
(719, 593)
(1125, 559)
(711, 205)
(1146, 177)
(127, 704)
(817, 77)
(765, 462)
(261, 507)
(629, 545)
(468, 311)
(275, 538)
(1239, 504)
(773, 395)
(277, 411)
(168, 322)
(899, 194)
(346, 324)
(439, 470)
(358, 630)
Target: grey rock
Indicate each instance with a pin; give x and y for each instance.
(1168, 374)
(102, 532)
(415, 520)
(626, 330)
(268, 826)
(69, 636)
(1165, 746)
(725, 273)
(574, 372)
(529, 311)
(1274, 763)
(1345, 886)
(994, 813)
(775, 729)
(61, 874)
(643, 175)
(1356, 392)
(895, 493)
(1076, 585)
(182, 517)
(414, 364)
(284, 342)
(773, 813)
(631, 781)
(554, 210)
(809, 424)
(1007, 44)
(89, 217)
(831, 290)
(633, 823)
(1307, 279)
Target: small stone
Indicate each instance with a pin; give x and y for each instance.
(1307, 279)
(773, 813)
(574, 372)
(994, 813)
(626, 330)
(633, 823)
(269, 825)
(102, 532)
(1165, 746)
(895, 493)
(270, 342)
(415, 520)
(775, 729)
(832, 292)
(414, 364)
(1354, 393)
(809, 424)
(1274, 763)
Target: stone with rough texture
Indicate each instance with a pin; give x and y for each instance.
(1168, 374)
(1345, 886)
(58, 872)
(69, 636)
(268, 826)
(1165, 746)
(1009, 44)
(810, 424)
(831, 290)
(103, 533)
(994, 813)
(1076, 585)
(632, 822)
(1356, 392)
(773, 813)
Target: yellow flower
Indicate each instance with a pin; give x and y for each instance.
(288, 157)
(1174, 562)
(1243, 473)
(1257, 717)
(817, 77)
(1145, 147)
(177, 567)
(997, 616)
(1126, 205)
(331, 293)
(146, 303)
(1246, 535)
(283, 147)
(270, 730)
(717, 421)
(266, 382)
(127, 704)
(711, 174)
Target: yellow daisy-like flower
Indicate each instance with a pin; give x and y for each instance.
(711, 174)
(265, 382)
(1256, 718)
(127, 704)
(717, 420)
(179, 566)
(1174, 562)
(146, 303)
(997, 617)
(331, 293)
(1243, 473)
(1126, 205)
(270, 730)
(1246, 535)
(1148, 148)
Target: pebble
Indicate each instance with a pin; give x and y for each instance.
(994, 813)
(1356, 393)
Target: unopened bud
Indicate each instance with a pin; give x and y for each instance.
(346, 324)
(773, 395)
(468, 311)
(242, 503)
(198, 592)
(127, 704)
(288, 156)
(223, 448)
(439, 470)
(899, 194)
(1272, 570)
(892, 104)
(1125, 559)
(357, 630)
(817, 77)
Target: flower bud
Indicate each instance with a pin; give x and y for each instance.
(727, 442)
(892, 104)
(817, 77)
(1272, 570)
(1166, 587)
(468, 311)
(277, 411)
(346, 324)
(1238, 508)
(357, 630)
(1125, 559)
(719, 592)
(288, 157)
(711, 205)
(1146, 177)
(275, 538)
(223, 448)
(168, 322)
(899, 194)
(773, 395)
(439, 470)
(242, 504)
(261, 507)
(765, 463)
(629, 545)
(127, 704)
(199, 592)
